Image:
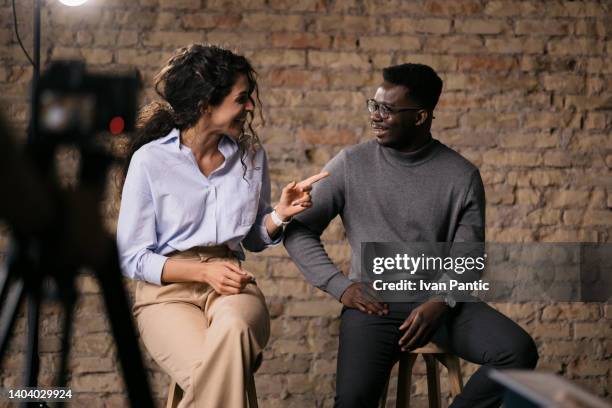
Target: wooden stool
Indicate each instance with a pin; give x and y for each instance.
(175, 393)
(431, 353)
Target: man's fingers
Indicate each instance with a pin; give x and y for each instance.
(413, 325)
(416, 340)
(406, 323)
(311, 180)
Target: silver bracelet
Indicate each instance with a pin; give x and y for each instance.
(277, 221)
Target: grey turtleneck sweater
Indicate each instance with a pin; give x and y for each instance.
(383, 195)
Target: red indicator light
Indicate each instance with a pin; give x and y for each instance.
(116, 125)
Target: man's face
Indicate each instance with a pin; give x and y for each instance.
(397, 129)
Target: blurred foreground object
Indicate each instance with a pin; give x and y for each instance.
(526, 389)
(58, 231)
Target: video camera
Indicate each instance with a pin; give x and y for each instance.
(73, 105)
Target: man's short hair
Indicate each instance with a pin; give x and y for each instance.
(424, 85)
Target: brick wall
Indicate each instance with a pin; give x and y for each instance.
(527, 98)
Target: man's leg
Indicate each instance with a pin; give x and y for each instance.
(478, 333)
(368, 349)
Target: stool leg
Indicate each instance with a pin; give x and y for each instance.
(452, 364)
(404, 380)
(433, 381)
(383, 397)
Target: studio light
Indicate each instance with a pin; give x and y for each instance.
(72, 3)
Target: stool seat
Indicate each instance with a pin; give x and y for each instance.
(432, 353)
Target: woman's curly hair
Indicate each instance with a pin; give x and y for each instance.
(195, 77)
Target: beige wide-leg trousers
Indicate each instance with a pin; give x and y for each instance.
(208, 343)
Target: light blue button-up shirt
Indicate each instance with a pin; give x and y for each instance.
(168, 204)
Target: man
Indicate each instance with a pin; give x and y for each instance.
(404, 186)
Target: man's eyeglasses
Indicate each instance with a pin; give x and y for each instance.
(385, 111)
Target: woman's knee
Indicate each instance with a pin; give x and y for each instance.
(239, 324)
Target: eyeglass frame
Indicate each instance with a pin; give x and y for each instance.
(392, 111)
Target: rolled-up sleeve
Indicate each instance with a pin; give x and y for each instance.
(136, 230)
(258, 238)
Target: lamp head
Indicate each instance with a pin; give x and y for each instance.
(72, 3)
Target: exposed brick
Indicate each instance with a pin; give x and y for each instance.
(453, 44)
(172, 39)
(527, 196)
(485, 63)
(450, 7)
(567, 83)
(477, 26)
(141, 57)
(300, 40)
(346, 24)
(225, 5)
(291, 77)
(240, 40)
(575, 46)
(546, 27)
(272, 22)
(273, 58)
(504, 8)
(208, 20)
(327, 136)
(515, 45)
(385, 43)
(424, 25)
(180, 4)
(299, 5)
(592, 330)
(338, 59)
(571, 312)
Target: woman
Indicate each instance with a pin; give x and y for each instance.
(197, 190)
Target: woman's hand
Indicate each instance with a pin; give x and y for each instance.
(295, 197)
(226, 278)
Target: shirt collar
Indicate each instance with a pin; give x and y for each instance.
(227, 145)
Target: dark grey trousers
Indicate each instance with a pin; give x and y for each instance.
(474, 331)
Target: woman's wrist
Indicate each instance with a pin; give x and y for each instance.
(281, 212)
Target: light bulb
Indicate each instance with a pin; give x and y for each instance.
(72, 3)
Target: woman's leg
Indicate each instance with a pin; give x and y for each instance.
(174, 335)
(238, 330)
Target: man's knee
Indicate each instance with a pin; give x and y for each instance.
(520, 352)
(526, 353)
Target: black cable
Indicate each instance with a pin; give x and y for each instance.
(18, 38)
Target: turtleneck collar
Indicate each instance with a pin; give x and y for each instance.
(413, 158)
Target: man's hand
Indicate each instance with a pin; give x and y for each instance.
(421, 324)
(360, 296)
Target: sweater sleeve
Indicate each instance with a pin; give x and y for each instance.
(469, 237)
(303, 236)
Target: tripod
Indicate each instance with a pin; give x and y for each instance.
(73, 237)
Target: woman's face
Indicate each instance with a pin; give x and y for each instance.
(230, 116)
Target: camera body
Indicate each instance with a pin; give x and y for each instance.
(73, 105)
